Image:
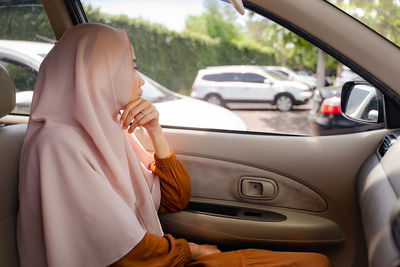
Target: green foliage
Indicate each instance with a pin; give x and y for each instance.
(173, 59)
(290, 49)
(218, 22)
(211, 39)
(381, 15)
(27, 21)
(24, 77)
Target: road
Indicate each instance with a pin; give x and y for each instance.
(268, 119)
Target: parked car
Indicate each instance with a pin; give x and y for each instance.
(291, 75)
(22, 59)
(326, 117)
(304, 73)
(248, 84)
(346, 75)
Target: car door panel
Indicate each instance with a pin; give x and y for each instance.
(243, 231)
(218, 179)
(233, 91)
(326, 166)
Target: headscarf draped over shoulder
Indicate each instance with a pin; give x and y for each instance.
(87, 196)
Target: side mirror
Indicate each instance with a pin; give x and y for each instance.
(373, 115)
(362, 102)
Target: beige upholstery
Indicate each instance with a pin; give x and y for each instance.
(11, 138)
(378, 192)
(7, 92)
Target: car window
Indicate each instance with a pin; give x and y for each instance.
(24, 77)
(25, 20)
(232, 77)
(278, 75)
(224, 77)
(252, 78)
(381, 16)
(214, 77)
(25, 38)
(209, 38)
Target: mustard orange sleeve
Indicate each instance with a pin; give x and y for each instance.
(174, 182)
(156, 251)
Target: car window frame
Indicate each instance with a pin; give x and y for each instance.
(393, 102)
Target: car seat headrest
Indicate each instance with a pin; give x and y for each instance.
(7, 92)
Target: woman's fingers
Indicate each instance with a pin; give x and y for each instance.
(151, 114)
(135, 111)
(132, 110)
(129, 107)
(140, 112)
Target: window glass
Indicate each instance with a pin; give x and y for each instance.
(209, 37)
(224, 77)
(284, 74)
(24, 77)
(155, 92)
(214, 77)
(232, 77)
(25, 20)
(252, 78)
(25, 39)
(278, 75)
(381, 16)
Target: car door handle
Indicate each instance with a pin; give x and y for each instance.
(256, 187)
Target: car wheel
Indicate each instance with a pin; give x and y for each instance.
(284, 102)
(215, 99)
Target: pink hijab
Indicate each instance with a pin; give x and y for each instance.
(87, 196)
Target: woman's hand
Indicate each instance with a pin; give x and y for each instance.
(143, 113)
(202, 250)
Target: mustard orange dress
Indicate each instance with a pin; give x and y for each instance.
(154, 251)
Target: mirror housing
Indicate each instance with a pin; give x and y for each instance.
(361, 102)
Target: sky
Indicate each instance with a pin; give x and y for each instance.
(171, 14)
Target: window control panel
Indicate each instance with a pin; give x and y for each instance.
(256, 187)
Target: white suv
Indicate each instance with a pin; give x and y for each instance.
(248, 84)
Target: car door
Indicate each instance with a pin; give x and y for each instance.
(232, 88)
(310, 204)
(281, 191)
(259, 88)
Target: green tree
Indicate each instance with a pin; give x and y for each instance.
(218, 22)
(24, 20)
(381, 15)
(290, 49)
(173, 59)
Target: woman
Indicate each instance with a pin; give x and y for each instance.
(89, 193)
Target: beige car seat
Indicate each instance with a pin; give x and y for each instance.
(11, 138)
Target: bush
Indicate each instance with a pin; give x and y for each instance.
(170, 58)
(173, 59)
